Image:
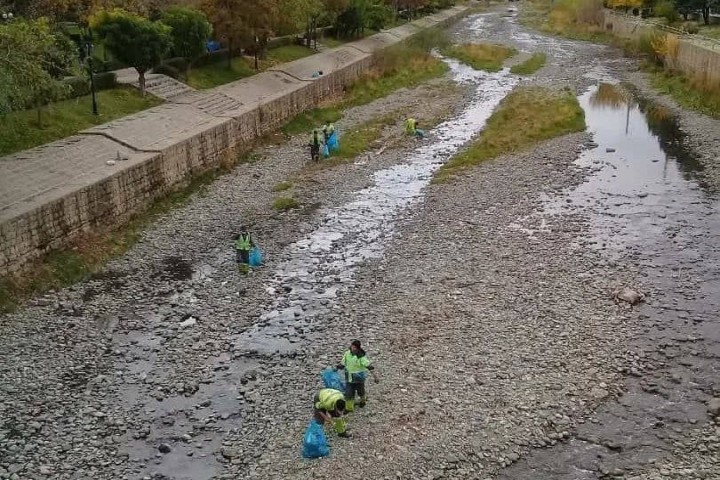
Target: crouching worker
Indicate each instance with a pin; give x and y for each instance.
(356, 365)
(243, 245)
(411, 128)
(329, 408)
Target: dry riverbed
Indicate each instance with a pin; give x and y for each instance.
(501, 349)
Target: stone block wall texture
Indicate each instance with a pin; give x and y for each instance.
(695, 58)
(105, 175)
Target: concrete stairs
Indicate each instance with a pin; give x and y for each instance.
(215, 104)
(156, 84)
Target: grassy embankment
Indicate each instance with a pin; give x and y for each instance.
(402, 66)
(405, 65)
(528, 115)
(20, 130)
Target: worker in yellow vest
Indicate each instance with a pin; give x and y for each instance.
(329, 407)
(357, 366)
(243, 244)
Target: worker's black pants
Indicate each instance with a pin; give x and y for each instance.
(243, 256)
(354, 388)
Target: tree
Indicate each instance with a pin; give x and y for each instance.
(299, 15)
(242, 24)
(686, 7)
(134, 40)
(706, 6)
(333, 9)
(190, 31)
(378, 16)
(33, 58)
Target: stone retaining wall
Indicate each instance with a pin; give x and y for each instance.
(108, 173)
(695, 57)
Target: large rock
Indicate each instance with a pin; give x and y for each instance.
(629, 295)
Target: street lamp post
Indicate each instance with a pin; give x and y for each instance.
(88, 52)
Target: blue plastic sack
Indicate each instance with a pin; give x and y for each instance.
(325, 151)
(332, 379)
(332, 142)
(256, 257)
(419, 133)
(314, 442)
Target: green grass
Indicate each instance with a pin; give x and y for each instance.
(528, 115)
(405, 65)
(480, 56)
(218, 73)
(530, 66)
(65, 267)
(283, 204)
(693, 94)
(20, 130)
(712, 31)
(282, 186)
(358, 140)
(314, 118)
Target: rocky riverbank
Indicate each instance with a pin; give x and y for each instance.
(501, 346)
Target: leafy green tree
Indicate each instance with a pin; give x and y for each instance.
(134, 40)
(33, 59)
(379, 15)
(190, 31)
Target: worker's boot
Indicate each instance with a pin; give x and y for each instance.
(341, 428)
(363, 400)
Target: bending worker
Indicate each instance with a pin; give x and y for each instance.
(329, 407)
(356, 365)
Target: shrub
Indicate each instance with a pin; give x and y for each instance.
(165, 69)
(211, 57)
(691, 27)
(105, 80)
(179, 63)
(79, 86)
(666, 9)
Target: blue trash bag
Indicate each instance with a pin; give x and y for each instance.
(256, 257)
(325, 151)
(314, 442)
(332, 379)
(332, 142)
(419, 133)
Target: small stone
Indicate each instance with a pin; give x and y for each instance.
(599, 393)
(164, 448)
(714, 407)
